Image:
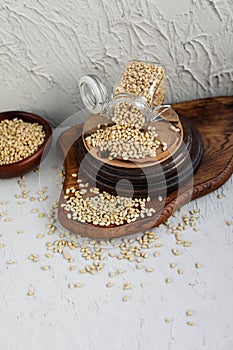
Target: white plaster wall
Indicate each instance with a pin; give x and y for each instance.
(46, 45)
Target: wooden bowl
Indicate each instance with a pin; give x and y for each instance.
(30, 163)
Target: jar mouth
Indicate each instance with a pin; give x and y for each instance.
(93, 93)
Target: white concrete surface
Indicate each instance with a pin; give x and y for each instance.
(94, 317)
(46, 46)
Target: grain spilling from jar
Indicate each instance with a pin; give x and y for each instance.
(21, 139)
(125, 113)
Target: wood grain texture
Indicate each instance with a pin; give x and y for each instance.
(214, 119)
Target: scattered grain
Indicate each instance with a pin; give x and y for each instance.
(20, 232)
(172, 265)
(127, 286)
(190, 312)
(125, 298)
(109, 284)
(11, 262)
(168, 320)
(149, 269)
(30, 293)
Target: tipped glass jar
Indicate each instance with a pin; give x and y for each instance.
(125, 128)
(136, 99)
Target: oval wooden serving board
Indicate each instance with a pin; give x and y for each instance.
(213, 117)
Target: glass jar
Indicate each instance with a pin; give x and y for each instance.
(138, 93)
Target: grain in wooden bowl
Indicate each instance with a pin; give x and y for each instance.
(34, 140)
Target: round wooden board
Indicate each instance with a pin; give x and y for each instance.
(214, 119)
(172, 139)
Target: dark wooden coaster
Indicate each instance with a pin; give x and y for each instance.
(213, 118)
(159, 178)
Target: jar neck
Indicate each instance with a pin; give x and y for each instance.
(129, 103)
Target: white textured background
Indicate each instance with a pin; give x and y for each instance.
(46, 45)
